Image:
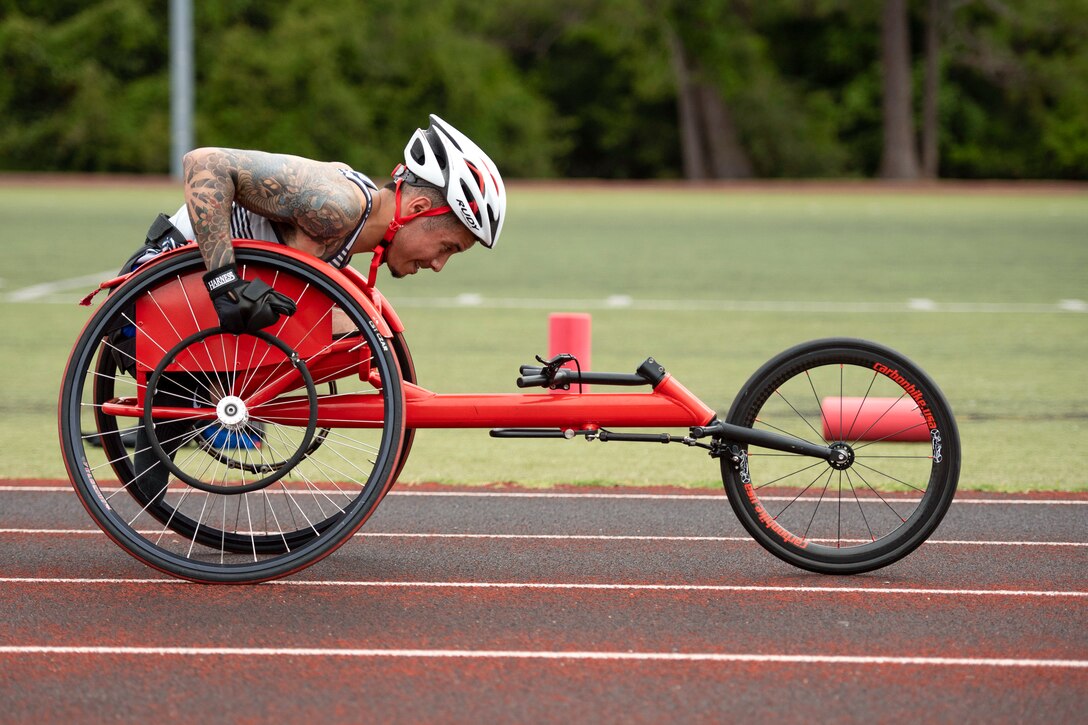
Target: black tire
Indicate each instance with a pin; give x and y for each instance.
(238, 535)
(848, 520)
(408, 375)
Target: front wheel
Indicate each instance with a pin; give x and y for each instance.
(884, 498)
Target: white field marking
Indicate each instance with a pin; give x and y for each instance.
(469, 299)
(47, 292)
(618, 301)
(549, 655)
(39, 292)
(888, 591)
(564, 537)
(921, 304)
(625, 302)
(700, 497)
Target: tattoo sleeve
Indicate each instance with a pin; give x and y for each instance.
(311, 196)
(209, 192)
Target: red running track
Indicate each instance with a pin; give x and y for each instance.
(609, 604)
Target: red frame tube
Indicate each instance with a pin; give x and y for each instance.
(670, 405)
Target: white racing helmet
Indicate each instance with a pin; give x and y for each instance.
(444, 157)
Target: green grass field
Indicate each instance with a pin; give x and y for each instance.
(718, 281)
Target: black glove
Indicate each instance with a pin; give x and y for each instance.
(245, 306)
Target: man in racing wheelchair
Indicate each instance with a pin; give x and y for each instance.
(447, 185)
(446, 196)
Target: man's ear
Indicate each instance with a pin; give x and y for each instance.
(418, 204)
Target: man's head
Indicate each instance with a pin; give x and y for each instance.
(446, 195)
(429, 241)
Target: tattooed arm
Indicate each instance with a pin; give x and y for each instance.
(311, 197)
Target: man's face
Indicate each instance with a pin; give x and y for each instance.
(426, 243)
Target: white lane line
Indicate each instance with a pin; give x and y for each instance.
(39, 292)
(594, 586)
(564, 537)
(625, 302)
(36, 489)
(700, 497)
(966, 542)
(47, 292)
(548, 655)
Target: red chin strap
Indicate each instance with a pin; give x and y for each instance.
(395, 226)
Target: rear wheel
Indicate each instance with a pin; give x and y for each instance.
(884, 498)
(403, 357)
(278, 493)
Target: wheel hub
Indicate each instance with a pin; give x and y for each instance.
(842, 456)
(232, 413)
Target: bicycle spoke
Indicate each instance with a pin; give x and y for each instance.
(799, 414)
(892, 478)
(857, 413)
(878, 495)
(789, 475)
(817, 506)
(861, 509)
(799, 495)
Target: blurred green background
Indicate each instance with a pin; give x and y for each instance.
(566, 88)
(719, 280)
(984, 287)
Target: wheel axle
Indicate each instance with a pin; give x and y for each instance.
(232, 412)
(842, 456)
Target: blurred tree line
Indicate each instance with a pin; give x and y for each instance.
(581, 88)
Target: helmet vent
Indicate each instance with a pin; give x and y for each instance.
(467, 191)
(417, 152)
(450, 137)
(477, 174)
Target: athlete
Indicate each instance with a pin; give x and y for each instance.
(446, 196)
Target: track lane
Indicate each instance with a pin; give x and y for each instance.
(734, 562)
(265, 689)
(814, 622)
(681, 514)
(389, 638)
